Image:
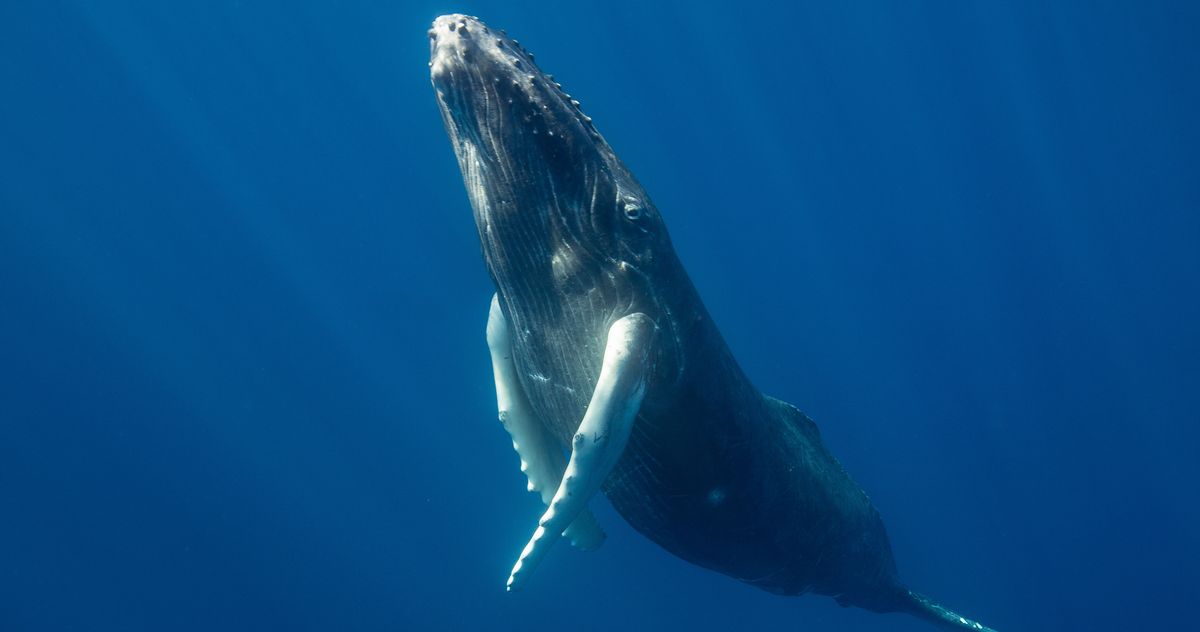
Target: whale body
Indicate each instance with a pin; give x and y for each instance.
(610, 375)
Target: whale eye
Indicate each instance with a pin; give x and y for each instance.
(633, 211)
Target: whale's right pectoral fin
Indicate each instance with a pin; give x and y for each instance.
(542, 462)
(601, 437)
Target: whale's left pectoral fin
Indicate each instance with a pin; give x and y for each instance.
(601, 437)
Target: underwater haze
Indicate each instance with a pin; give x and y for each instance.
(244, 383)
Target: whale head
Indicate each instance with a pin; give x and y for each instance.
(553, 204)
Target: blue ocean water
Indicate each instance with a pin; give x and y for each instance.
(244, 382)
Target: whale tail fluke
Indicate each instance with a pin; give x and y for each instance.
(923, 607)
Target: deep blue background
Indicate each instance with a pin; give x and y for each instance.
(244, 380)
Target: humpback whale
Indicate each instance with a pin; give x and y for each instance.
(611, 376)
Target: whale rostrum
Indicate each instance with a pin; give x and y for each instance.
(610, 374)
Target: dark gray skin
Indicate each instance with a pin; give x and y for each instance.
(715, 472)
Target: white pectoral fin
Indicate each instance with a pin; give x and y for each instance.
(601, 437)
(542, 462)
